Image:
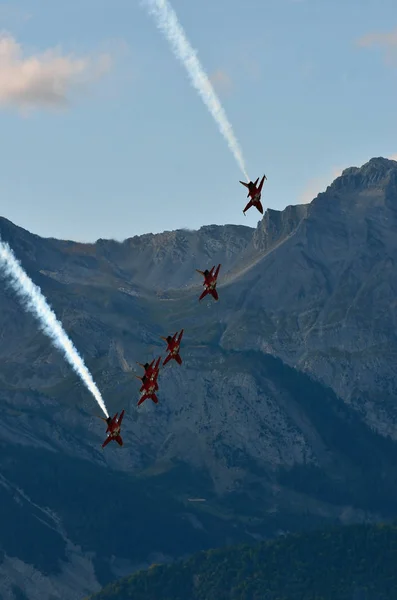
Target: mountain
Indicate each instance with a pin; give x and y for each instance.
(356, 562)
(281, 417)
(326, 295)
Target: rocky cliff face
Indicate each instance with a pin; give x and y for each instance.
(278, 417)
(328, 293)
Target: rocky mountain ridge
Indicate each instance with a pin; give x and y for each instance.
(277, 417)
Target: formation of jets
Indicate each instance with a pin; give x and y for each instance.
(150, 386)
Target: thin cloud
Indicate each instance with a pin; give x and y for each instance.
(246, 59)
(221, 80)
(43, 80)
(378, 39)
(317, 185)
(387, 41)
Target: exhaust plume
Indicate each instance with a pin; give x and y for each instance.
(167, 22)
(34, 302)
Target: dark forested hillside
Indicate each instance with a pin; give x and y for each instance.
(347, 563)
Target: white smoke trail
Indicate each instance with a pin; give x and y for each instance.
(34, 301)
(167, 22)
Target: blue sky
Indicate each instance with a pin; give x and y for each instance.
(120, 143)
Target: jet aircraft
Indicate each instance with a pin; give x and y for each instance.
(146, 381)
(148, 391)
(149, 385)
(173, 345)
(151, 370)
(210, 281)
(255, 194)
(113, 428)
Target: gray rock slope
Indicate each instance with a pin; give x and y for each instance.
(282, 415)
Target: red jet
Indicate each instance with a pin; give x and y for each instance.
(255, 194)
(150, 370)
(148, 390)
(173, 344)
(149, 385)
(114, 425)
(210, 280)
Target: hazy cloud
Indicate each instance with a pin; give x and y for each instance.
(221, 80)
(387, 41)
(318, 184)
(43, 80)
(378, 39)
(393, 156)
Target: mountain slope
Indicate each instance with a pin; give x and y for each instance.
(326, 297)
(277, 417)
(294, 457)
(351, 562)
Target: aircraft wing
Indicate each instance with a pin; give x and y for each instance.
(261, 183)
(248, 206)
(121, 417)
(141, 400)
(106, 442)
(203, 294)
(167, 360)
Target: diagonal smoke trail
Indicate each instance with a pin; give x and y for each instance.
(168, 23)
(33, 300)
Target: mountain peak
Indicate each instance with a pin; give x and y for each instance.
(378, 165)
(377, 172)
